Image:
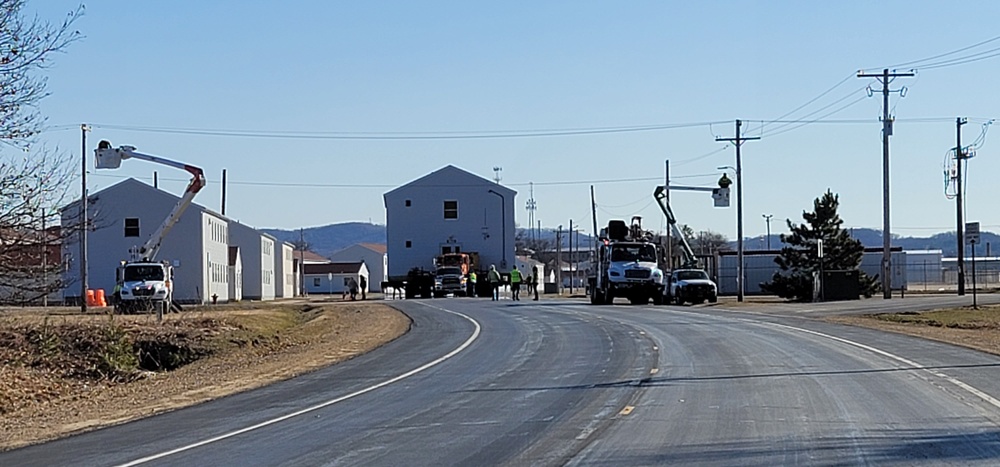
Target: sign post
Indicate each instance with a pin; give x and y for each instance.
(822, 284)
(972, 238)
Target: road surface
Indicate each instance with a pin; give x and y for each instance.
(560, 382)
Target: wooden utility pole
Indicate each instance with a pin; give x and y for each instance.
(959, 156)
(884, 78)
(738, 141)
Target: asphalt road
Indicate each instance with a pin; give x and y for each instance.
(561, 382)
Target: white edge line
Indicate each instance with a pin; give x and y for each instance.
(982, 395)
(466, 344)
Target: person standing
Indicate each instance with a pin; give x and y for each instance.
(493, 277)
(352, 286)
(364, 287)
(472, 284)
(534, 281)
(515, 284)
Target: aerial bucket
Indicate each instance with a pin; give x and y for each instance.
(106, 157)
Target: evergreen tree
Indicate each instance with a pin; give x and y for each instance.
(799, 257)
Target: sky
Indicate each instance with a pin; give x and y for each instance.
(317, 108)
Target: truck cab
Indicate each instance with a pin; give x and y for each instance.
(449, 279)
(690, 286)
(143, 286)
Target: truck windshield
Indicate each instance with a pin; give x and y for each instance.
(449, 271)
(637, 252)
(691, 275)
(143, 273)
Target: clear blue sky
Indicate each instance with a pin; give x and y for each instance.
(442, 68)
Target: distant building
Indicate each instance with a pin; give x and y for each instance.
(257, 249)
(123, 216)
(373, 255)
(449, 210)
(235, 274)
(284, 270)
(333, 278)
(759, 267)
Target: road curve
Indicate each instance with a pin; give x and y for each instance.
(560, 382)
(518, 384)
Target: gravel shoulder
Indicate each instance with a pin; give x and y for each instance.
(50, 388)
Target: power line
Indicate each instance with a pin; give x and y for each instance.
(935, 57)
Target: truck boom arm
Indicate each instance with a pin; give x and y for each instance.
(690, 260)
(111, 158)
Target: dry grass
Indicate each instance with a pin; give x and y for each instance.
(48, 387)
(967, 327)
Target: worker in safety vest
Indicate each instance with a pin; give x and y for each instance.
(494, 279)
(472, 284)
(515, 284)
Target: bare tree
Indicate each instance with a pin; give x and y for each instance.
(33, 181)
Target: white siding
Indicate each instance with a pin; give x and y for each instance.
(284, 275)
(184, 246)
(216, 247)
(485, 222)
(236, 279)
(257, 252)
(375, 261)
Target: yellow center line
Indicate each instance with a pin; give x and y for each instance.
(627, 410)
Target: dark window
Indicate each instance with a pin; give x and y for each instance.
(451, 209)
(132, 227)
(445, 250)
(315, 282)
(407, 203)
(409, 243)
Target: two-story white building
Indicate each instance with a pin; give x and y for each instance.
(257, 250)
(284, 270)
(449, 210)
(124, 216)
(373, 255)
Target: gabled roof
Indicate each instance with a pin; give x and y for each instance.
(311, 257)
(134, 184)
(376, 247)
(449, 177)
(332, 268)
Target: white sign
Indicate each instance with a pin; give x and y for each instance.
(972, 232)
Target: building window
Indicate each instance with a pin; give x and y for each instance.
(409, 244)
(132, 227)
(408, 203)
(445, 250)
(315, 282)
(451, 209)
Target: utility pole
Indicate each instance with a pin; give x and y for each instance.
(531, 207)
(959, 156)
(666, 193)
(884, 78)
(559, 260)
(767, 218)
(302, 262)
(738, 141)
(571, 257)
(84, 219)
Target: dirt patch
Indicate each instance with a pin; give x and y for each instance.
(62, 372)
(975, 329)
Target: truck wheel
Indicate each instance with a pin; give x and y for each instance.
(595, 297)
(713, 299)
(638, 300)
(657, 298)
(610, 299)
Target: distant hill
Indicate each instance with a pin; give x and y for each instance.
(327, 239)
(872, 238)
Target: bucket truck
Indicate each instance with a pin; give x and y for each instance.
(142, 282)
(628, 264)
(689, 283)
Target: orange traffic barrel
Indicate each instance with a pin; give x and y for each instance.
(99, 298)
(90, 298)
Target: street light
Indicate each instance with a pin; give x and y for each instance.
(767, 218)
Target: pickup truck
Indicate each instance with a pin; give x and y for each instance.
(690, 286)
(449, 279)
